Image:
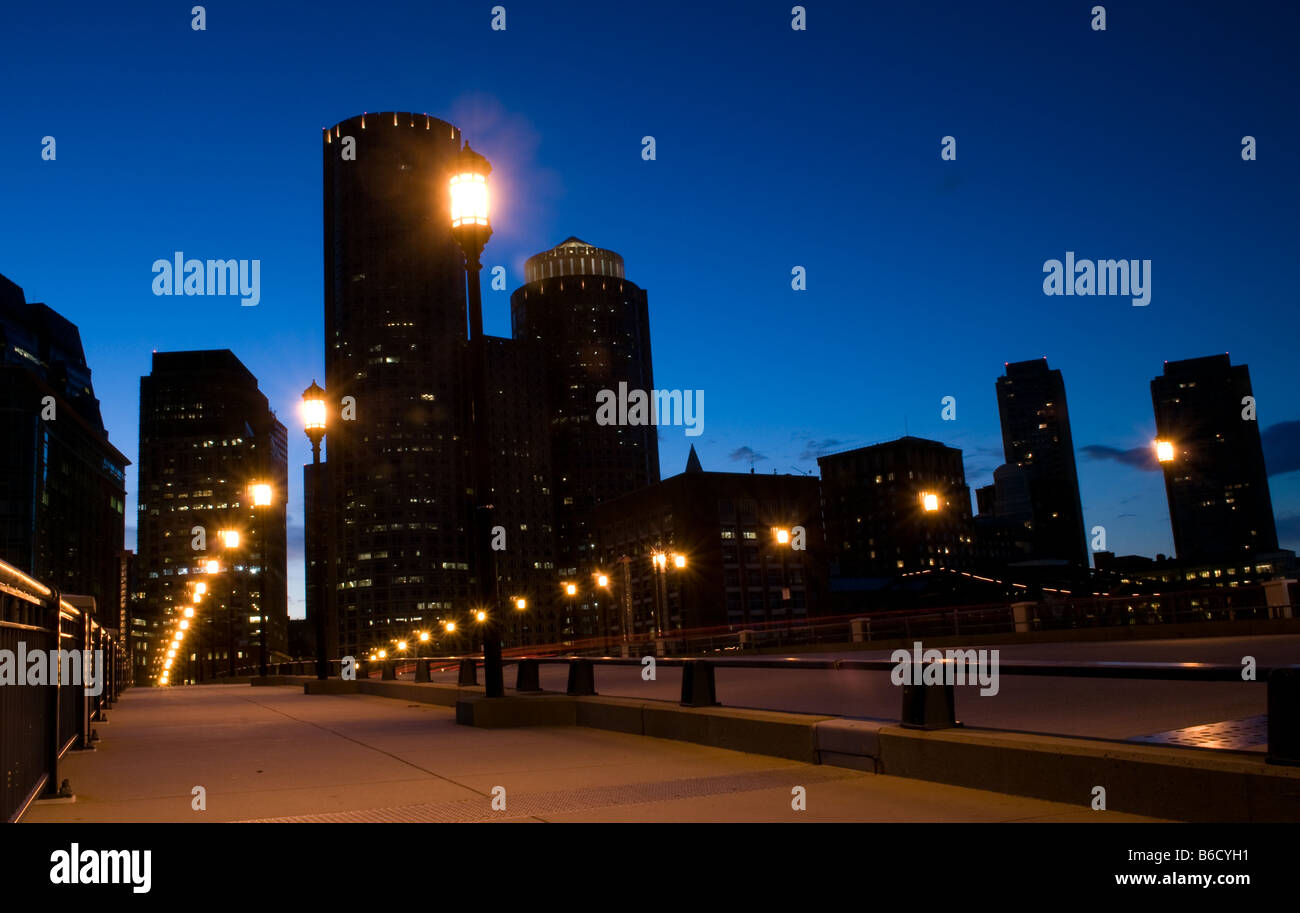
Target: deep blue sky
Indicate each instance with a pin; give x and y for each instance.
(775, 148)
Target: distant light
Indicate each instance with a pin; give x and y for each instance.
(383, 654)
(212, 567)
(261, 495)
(521, 603)
(930, 501)
(1165, 451)
(401, 645)
(480, 615)
(450, 626)
(782, 536)
(424, 637)
(571, 589)
(679, 561)
(189, 611)
(602, 580)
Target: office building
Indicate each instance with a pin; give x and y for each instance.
(1036, 438)
(62, 484)
(207, 435)
(1213, 461)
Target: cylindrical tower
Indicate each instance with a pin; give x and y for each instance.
(594, 326)
(395, 327)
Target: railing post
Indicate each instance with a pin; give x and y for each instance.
(698, 686)
(528, 678)
(51, 733)
(1284, 716)
(388, 670)
(582, 678)
(929, 707)
(83, 701)
(422, 670)
(468, 672)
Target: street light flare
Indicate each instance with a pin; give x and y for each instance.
(1165, 451)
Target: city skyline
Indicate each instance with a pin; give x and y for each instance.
(784, 370)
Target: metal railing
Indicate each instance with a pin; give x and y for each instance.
(924, 706)
(45, 717)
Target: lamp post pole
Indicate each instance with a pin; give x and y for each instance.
(471, 228)
(313, 399)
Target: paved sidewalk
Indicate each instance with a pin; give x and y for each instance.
(273, 753)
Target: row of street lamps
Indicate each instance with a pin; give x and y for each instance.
(262, 496)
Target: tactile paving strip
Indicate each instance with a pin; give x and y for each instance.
(576, 800)
(1247, 734)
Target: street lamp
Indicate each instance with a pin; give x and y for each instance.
(229, 539)
(659, 561)
(1165, 451)
(471, 226)
(263, 495)
(313, 423)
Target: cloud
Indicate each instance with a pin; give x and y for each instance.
(748, 454)
(815, 449)
(1281, 443)
(1138, 457)
(1281, 447)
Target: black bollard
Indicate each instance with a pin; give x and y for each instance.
(582, 678)
(468, 672)
(1284, 716)
(698, 687)
(929, 707)
(528, 679)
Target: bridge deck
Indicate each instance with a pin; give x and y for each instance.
(275, 753)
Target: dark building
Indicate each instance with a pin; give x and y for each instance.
(62, 484)
(734, 571)
(592, 326)
(1219, 504)
(395, 329)
(395, 496)
(207, 435)
(1036, 438)
(520, 472)
(896, 508)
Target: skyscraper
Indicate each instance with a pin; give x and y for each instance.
(207, 435)
(1036, 437)
(1219, 504)
(395, 330)
(396, 490)
(62, 484)
(592, 325)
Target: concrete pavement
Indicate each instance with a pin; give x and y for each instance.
(273, 753)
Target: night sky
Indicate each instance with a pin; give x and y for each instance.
(775, 148)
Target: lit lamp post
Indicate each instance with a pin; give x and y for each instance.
(229, 539)
(660, 561)
(471, 228)
(262, 497)
(313, 422)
